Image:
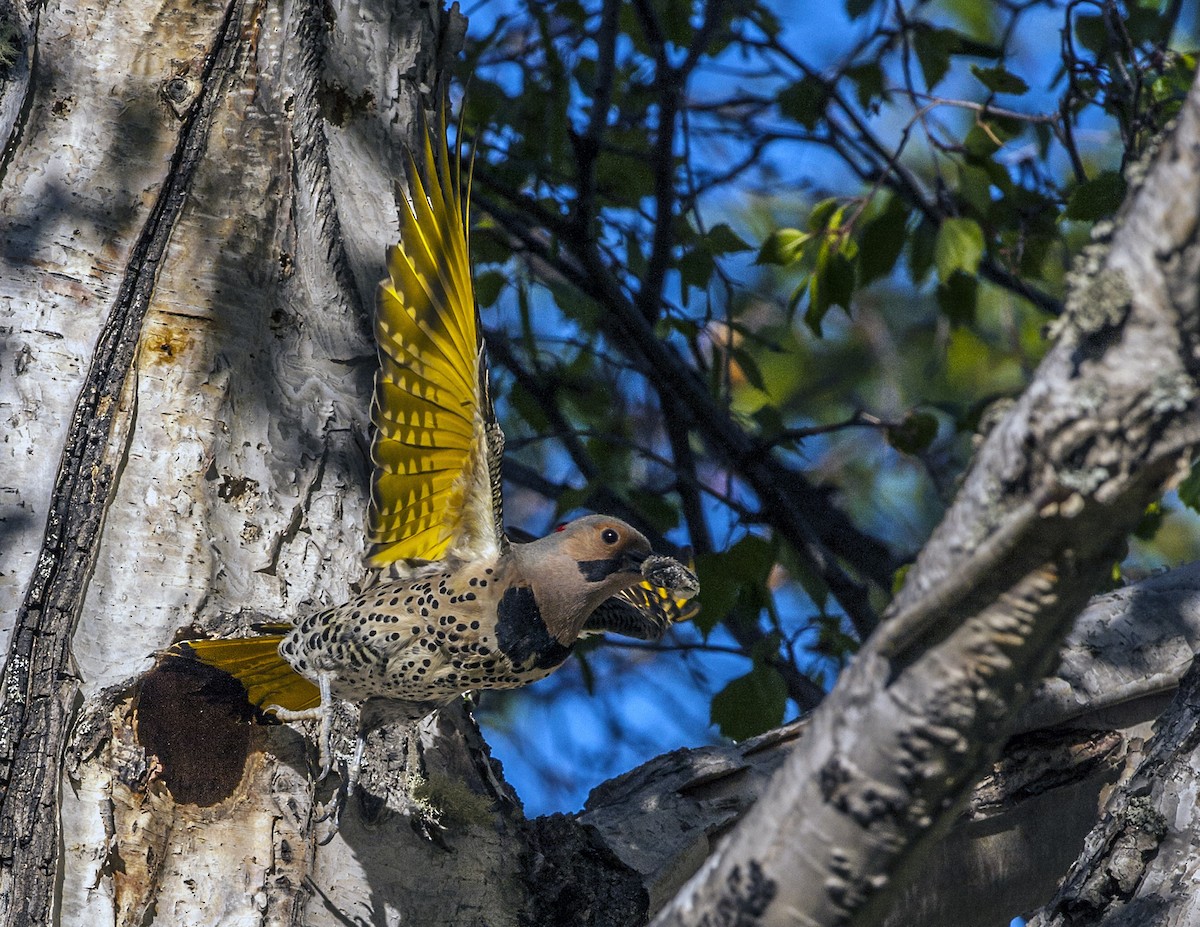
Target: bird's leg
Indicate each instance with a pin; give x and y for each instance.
(324, 745)
(349, 783)
(322, 713)
(341, 795)
(351, 771)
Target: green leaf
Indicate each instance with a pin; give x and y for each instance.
(975, 189)
(1189, 489)
(831, 284)
(527, 407)
(920, 251)
(769, 422)
(721, 239)
(832, 641)
(868, 79)
(985, 137)
(933, 48)
(1091, 33)
(981, 143)
(750, 704)
(958, 297)
(825, 215)
(1000, 80)
(749, 367)
(783, 247)
(881, 241)
(1145, 23)
(488, 286)
(959, 246)
(1096, 198)
(804, 101)
(914, 434)
(696, 268)
(487, 247)
(722, 576)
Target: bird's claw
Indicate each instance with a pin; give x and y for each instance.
(331, 814)
(322, 713)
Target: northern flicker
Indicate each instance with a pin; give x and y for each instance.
(459, 606)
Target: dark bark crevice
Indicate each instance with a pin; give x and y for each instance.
(39, 685)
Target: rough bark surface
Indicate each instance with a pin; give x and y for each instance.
(1140, 863)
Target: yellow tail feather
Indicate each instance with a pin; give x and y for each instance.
(255, 663)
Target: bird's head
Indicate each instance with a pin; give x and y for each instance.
(606, 550)
(575, 568)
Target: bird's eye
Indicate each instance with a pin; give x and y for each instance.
(609, 536)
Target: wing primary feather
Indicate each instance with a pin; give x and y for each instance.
(436, 446)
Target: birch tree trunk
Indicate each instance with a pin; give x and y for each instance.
(196, 200)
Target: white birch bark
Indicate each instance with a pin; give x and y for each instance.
(197, 199)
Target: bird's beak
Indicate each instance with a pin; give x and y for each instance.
(632, 560)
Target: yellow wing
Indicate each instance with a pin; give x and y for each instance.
(436, 448)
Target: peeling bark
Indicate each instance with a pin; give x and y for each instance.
(1139, 864)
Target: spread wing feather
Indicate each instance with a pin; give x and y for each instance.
(432, 493)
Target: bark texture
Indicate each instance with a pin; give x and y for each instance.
(1140, 864)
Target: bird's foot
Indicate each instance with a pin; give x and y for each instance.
(347, 787)
(329, 818)
(322, 713)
